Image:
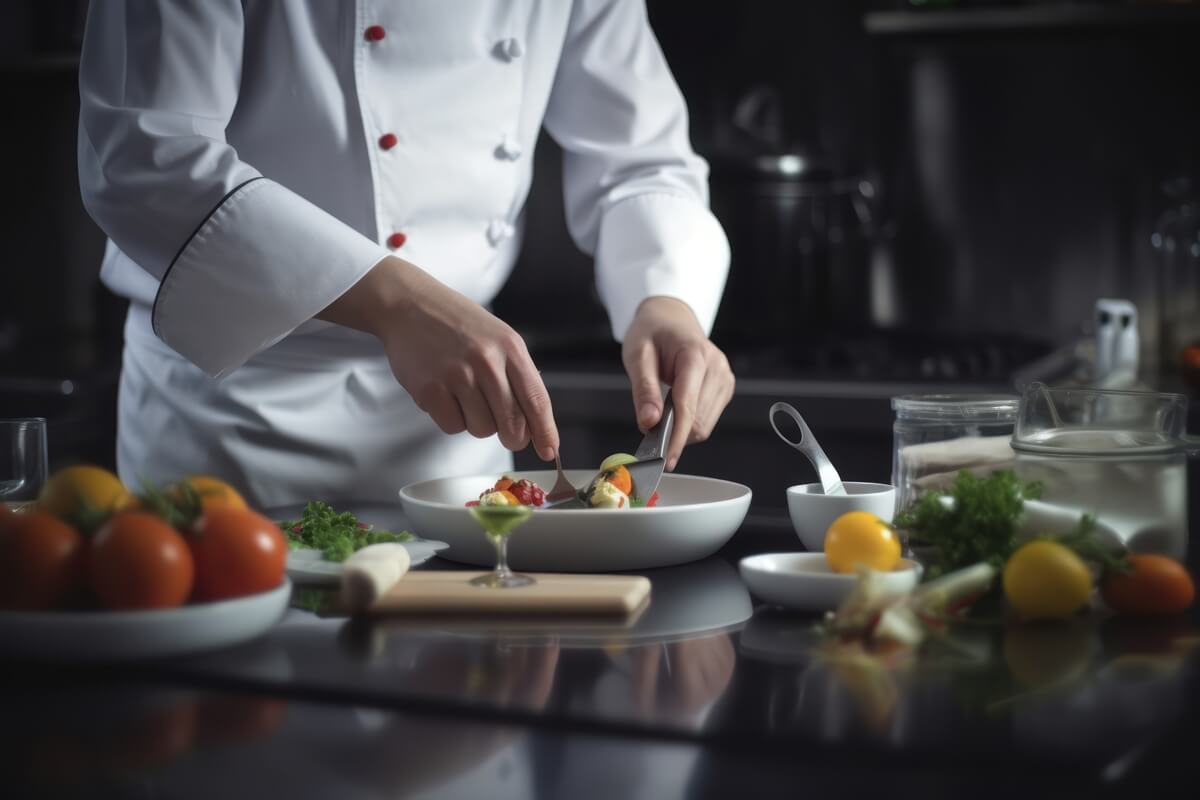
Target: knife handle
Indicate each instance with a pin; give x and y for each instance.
(654, 444)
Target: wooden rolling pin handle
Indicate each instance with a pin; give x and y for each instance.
(371, 573)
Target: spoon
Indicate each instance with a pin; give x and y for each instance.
(831, 483)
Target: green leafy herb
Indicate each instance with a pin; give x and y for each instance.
(335, 534)
(980, 525)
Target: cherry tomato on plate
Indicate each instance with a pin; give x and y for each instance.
(41, 561)
(237, 552)
(138, 561)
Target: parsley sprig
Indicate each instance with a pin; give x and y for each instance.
(980, 526)
(336, 534)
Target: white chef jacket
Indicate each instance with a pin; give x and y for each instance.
(250, 160)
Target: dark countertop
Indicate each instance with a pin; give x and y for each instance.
(706, 693)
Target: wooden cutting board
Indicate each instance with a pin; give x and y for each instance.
(439, 592)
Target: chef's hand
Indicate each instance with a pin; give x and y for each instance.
(464, 367)
(665, 344)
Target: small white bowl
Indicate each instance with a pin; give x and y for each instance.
(813, 511)
(803, 581)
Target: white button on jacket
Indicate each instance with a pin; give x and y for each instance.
(249, 160)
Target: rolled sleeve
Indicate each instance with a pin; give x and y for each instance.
(264, 262)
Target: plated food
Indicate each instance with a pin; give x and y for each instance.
(693, 518)
(336, 534)
(611, 488)
(322, 538)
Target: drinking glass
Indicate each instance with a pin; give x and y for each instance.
(498, 522)
(22, 460)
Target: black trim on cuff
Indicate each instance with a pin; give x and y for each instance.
(203, 222)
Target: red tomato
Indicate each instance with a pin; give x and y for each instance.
(528, 493)
(1157, 585)
(138, 561)
(653, 501)
(41, 561)
(237, 552)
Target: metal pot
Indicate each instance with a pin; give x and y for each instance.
(800, 237)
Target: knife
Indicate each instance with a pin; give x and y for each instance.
(644, 473)
(647, 471)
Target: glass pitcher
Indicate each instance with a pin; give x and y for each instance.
(1121, 455)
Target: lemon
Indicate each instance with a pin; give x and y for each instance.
(83, 488)
(861, 538)
(1045, 580)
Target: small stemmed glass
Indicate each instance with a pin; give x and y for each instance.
(498, 522)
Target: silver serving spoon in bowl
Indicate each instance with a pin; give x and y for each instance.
(831, 482)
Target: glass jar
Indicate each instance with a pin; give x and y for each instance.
(1120, 455)
(937, 435)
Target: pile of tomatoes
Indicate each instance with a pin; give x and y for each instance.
(91, 542)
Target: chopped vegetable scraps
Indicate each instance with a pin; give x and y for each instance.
(336, 534)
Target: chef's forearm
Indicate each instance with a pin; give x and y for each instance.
(379, 295)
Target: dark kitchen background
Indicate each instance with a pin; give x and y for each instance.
(920, 197)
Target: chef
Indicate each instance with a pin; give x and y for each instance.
(310, 203)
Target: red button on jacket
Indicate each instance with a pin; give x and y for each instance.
(375, 33)
(397, 240)
(388, 141)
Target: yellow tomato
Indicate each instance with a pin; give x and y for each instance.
(1045, 580)
(216, 493)
(861, 538)
(82, 487)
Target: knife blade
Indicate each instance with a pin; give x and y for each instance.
(647, 471)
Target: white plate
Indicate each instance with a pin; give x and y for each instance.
(803, 581)
(309, 567)
(127, 635)
(694, 517)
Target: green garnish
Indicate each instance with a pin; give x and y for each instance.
(616, 460)
(336, 534)
(980, 526)
(500, 521)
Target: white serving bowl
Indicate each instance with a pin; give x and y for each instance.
(803, 581)
(813, 511)
(694, 517)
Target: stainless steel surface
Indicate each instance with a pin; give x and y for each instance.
(650, 454)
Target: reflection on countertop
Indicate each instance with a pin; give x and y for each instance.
(704, 682)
